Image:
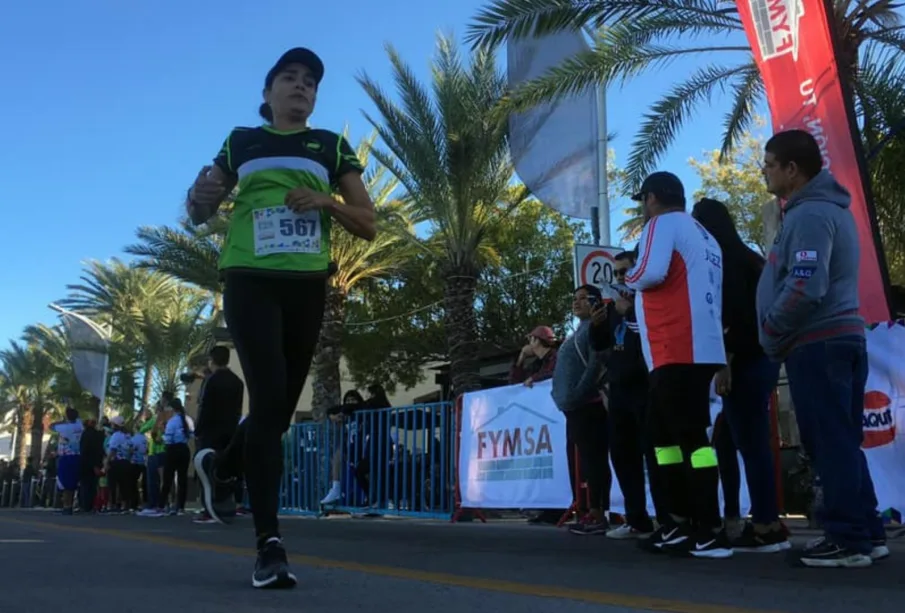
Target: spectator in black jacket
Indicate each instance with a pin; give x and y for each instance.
(614, 328)
(747, 383)
(219, 403)
(91, 450)
(219, 409)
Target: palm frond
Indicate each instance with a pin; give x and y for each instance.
(666, 117)
(620, 53)
(747, 91)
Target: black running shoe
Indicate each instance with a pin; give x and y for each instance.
(752, 541)
(272, 568)
(707, 544)
(667, 535)
(217, 495)
(822, 553)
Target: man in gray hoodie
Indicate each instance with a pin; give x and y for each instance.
(807, 304)
(576, 392)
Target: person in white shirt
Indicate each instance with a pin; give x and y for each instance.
(119, 457)
(68, 462)
(678, 281)
(139, 458)
(176, 435)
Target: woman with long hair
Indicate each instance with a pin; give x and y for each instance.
(747, 383)
(176, 436)
(275, 264)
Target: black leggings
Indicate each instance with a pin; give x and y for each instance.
(120, 483)
(678, 419)
(274, 323)
(176, 465)
(730, 475)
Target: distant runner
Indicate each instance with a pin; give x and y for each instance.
(275, 263)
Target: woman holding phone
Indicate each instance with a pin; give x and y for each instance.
(275, 264)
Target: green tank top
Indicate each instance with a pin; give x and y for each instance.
(264, 234)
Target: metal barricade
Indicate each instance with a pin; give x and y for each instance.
(395, 461)
(304, 458)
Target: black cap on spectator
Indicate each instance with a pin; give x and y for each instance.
(664, 185)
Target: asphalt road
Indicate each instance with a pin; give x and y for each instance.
(142, 565)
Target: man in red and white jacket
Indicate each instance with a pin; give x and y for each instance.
(678, 303)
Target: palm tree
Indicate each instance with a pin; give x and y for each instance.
(176, 335)
(882, 85)
(448, 148)
(34, 374)
(15, 395)
(187, 253)
(125, 297)
(636, 36)
(357, 261)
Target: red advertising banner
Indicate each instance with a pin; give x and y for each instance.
(792, 44)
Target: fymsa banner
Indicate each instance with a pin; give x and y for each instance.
(513, 450)
(792, 44)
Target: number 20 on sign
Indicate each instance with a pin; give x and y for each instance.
(594, 265)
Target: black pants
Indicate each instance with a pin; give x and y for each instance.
(87, 491)
(176, 466)
(120, 482)
(139, 485)
(730, 475)
(678, 418)
(274, 323)
(631, 450)
(589, 430)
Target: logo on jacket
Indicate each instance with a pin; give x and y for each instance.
(776, 25)
(805, 256)
(314, 145)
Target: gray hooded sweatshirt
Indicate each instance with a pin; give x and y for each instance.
(809, 288)
(576, 376)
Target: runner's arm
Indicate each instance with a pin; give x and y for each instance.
(222, 175)
(356, 213)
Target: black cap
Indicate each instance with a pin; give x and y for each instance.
(664, 185)
(299, 55)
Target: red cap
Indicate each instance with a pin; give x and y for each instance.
(544, 333)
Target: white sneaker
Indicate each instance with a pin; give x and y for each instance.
(879, 552)
(625, 531)
(333, 495)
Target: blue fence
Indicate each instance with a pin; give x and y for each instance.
(397, 461)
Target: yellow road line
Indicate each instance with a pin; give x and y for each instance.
(478, 583)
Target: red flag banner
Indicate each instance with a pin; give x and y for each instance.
(793, 46)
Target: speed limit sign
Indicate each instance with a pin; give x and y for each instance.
(594, 265)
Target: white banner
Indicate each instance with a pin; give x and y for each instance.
(884, 409)
(554, 145)
(513, 450)
(89, 354)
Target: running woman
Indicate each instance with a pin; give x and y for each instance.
(275, 264)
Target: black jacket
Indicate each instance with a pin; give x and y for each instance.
(91, 450)
(739, 311)
(625, 364)
(220, 406)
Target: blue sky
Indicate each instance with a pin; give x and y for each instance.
(111, 107)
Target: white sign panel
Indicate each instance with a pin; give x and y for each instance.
(594, 265)
(884, 414)
(513, 450)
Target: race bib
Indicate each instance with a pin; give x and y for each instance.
(279, 229)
